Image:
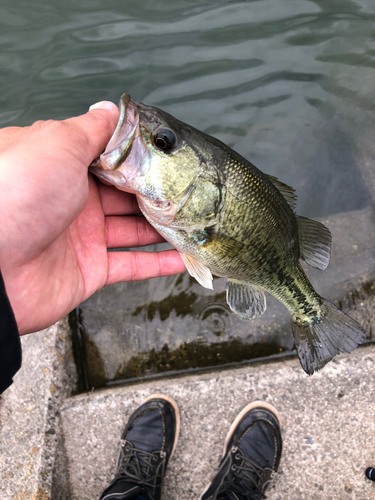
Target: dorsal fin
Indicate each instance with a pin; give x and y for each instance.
(288, 192)
(314, 242)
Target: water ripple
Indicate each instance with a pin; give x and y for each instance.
(255, 74)
(213, 19)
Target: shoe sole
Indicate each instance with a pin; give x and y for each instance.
(173, 403)
(250, 406)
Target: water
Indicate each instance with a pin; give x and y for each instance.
(288, 84)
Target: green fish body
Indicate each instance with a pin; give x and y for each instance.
(228, 218)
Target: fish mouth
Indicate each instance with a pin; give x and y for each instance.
(121, 159)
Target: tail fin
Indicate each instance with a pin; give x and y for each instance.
(318, 341)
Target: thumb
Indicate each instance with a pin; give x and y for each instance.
(95, 128)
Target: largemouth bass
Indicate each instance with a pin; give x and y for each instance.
(228, 218)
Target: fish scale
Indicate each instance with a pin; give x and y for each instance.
(228, 218)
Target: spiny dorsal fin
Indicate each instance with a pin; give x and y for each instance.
(314, 242)
(287, 191)
(247, 301)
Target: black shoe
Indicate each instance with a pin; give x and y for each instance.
(147, 443)
(251, 456)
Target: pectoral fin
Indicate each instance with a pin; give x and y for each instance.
(198, 270)
(247, 301)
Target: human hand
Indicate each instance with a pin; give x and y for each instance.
(58, 222)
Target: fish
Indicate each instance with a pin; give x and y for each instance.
(228, 218)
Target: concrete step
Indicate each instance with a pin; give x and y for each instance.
(62, 447)
(328, 428)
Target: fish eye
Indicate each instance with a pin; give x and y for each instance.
(165, 139)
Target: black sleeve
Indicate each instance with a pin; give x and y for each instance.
(10, 344)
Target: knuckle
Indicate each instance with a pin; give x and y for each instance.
(37, 126)
(51, 127)
(134, 267)
(143, 231)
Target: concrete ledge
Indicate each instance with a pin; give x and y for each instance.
(30, 441)
(328, 428)
(59, 447)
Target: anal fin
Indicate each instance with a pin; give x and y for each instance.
(198, 270)
(247, 301)
(314, 242)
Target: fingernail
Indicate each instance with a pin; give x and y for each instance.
(102, 105)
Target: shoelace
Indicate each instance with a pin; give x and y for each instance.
(143, 468)
(240, 480)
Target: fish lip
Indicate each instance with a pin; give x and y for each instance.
(120, 144)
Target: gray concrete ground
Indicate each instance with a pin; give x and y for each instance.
(328, 428)
(30, 437)
(57, 446)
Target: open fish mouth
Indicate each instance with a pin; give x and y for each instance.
(121, 159)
